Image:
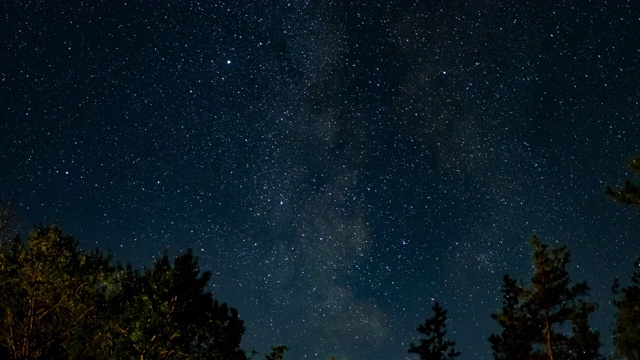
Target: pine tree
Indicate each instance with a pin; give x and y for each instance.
(548, 320)
(514, 342)
(435, 346)
(626, 333)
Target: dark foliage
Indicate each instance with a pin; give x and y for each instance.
(514, 342)
(629, 193)
(50, 295)
(626, 332)
(166, 313)
(549, 319)
(277, 352)
(435, 346)
(58, 302)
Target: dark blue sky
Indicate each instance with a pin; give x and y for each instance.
(338, 166)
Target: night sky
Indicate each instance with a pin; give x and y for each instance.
(337, 165)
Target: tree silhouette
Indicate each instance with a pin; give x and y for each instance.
(629, 193)
(277, 352)
(626, 333)
(514, 342)
(59, 302)
(435, 346)
(50, 292)
(165, 312)
(536, 320)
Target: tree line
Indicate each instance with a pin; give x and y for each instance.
(548, 317)
(60, 302)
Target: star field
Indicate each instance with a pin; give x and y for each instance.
(338, 166)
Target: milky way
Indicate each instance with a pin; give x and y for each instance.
(338, 166)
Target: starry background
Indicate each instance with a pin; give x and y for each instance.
(337, 165)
